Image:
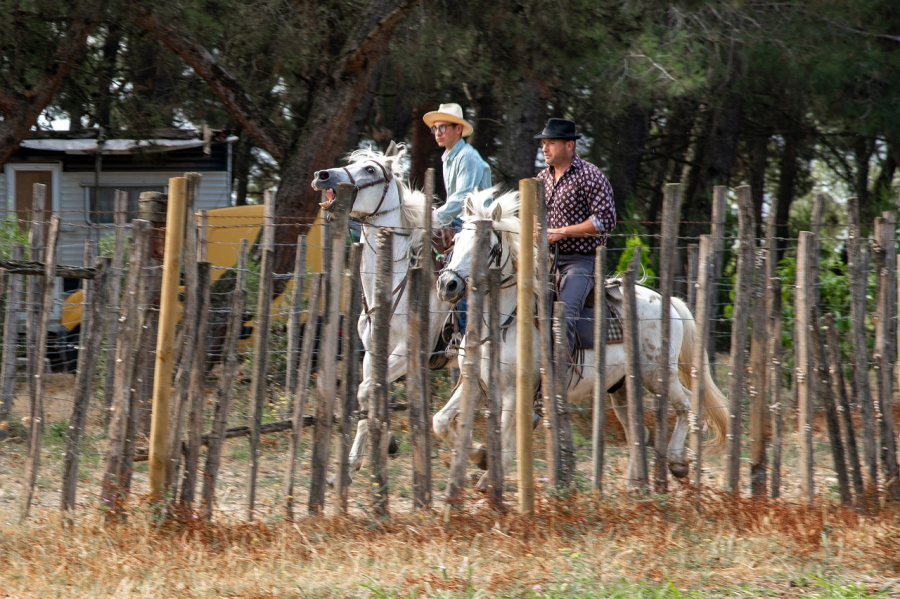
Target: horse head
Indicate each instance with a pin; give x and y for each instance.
(451, 282)
(372, 175)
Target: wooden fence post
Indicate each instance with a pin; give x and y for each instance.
(525, 345)
(773, 347)
(152, 206)
(91, 342)
(758, 372)
(802, 362)
(668, 248)
(131, 321)
(471, 366)
(546, 341)
(261, 328)
(33, 302)
(858, 272)
(304, 367)
(826, 388)
(717, 259)
(740, 321)
(115, 292)
(836, 368)
(559, 405)
(418, 414)
(335, 241)
(885, 352)
(10, 340)
(495, 408)
(350, 372)
(637, 462)
(598, 422)
(36, 424)
(226, 384)
(379, 414)
(702, 314)
(293, 324)
(693, 256)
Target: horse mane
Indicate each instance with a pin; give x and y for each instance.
(508, 226)
(412, 201)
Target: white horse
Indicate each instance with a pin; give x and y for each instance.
(451, 286)
(381, 201)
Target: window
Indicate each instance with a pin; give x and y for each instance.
(101, 202)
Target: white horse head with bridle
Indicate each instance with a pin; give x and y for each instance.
(504, 242)
(380, 200)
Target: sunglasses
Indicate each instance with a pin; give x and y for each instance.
(441, 128)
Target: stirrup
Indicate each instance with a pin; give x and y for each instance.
(453, 345)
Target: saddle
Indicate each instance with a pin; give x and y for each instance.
(584, 327)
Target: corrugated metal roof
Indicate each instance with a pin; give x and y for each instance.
(114, 146)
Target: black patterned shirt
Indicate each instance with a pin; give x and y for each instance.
(582, 193)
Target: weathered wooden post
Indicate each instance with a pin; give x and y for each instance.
(857, 268)
(836, 368)
(226, 384)
(293, 324)
(545, 339)
(335, 242)
(299, 399)
(826, 392)
(115, 291)
(10, 340)
(418, 416)
(33, 287)
(165, 343)
(693, 258)
(350, 372)
(740, 320)
(471, 366)
(131, 321)
(637, 463)
(717, 257)
(758, 377)
(885, 352)
(153, 207)
(773, 347)
(495, 408)
(525, 345)
(36, 424)
(702, 317)
(379, 414)
(668, 251)
(598, 428)
(261, 342)
(91, 341)
(802, 362)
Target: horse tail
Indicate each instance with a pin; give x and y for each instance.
(715, 408)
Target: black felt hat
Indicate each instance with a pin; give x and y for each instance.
(558, 129)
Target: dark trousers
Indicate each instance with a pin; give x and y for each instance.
(575, 281)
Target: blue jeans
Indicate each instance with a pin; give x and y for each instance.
(575, 274)
(462, 306)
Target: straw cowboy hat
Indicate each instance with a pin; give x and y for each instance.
(450, 113)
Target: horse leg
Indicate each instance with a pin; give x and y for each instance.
(680, 399)
(507, 433)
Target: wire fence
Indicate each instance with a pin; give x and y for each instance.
(806, 441)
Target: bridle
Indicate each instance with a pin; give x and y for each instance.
(386, 180)
(495, 254)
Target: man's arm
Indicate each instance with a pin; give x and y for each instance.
(580, 230)
(468, 177)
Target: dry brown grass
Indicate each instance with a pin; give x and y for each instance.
(583, 545)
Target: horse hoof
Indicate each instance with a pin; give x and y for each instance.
(679, 470)
(329, 480)
(482, 464)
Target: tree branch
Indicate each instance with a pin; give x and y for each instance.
(362, 41)
(238, 103)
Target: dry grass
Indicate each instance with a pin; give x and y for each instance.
(570, 548)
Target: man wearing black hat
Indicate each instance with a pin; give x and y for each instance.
(580, 214)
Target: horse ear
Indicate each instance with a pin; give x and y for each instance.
(392, 150)
(469, 205)
(497, 212)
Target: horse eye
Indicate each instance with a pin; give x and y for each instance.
(370, 170)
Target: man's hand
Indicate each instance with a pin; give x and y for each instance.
(554, 235)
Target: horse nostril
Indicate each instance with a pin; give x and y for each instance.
(451, 286)
(323, 175)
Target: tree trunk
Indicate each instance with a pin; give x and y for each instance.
(630, 130)
(524, 118)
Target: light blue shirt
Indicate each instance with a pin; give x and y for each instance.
(464, 170)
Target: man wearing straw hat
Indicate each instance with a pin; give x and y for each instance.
(464, 168)
(464, 172)
(580, 214)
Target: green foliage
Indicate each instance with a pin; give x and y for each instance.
(10, 234)
(625, 259)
